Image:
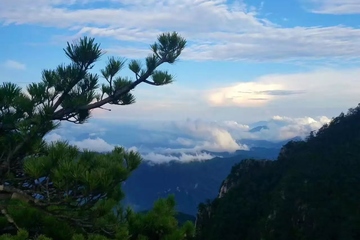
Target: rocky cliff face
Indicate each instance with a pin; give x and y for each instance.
(239, 170)
(224, 188)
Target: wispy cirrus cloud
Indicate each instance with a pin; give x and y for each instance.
(216, 30)
(337, 7)
(11, 64)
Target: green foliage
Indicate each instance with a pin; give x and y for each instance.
(310, 192)
(160, 223)
(54, 190)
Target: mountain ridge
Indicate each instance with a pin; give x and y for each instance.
(191, 182)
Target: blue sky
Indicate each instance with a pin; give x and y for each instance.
(245, 61)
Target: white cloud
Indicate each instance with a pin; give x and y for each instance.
(221, 136)
(159, 158)
(283, 128)
(233, 125)
(335, 6)
(216, 29)
(246, 94)
(96, 144)
(93, 144)
(295, 92)
(53, 137)
(11, 64)
(100, 145)
(209, 135)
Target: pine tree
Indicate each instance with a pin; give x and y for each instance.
(55, 189)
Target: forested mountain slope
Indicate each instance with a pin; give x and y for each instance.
(312, 191)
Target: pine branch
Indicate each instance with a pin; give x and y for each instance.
(8, 217)
(151, 83)
(11, 193)
(8, 192)
(63, 113)
(83, 58)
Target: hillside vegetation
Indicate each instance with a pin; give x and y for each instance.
(312, 191)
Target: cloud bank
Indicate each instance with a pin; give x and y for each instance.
(184, 141)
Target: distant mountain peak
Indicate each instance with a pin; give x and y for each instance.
(258, 128)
